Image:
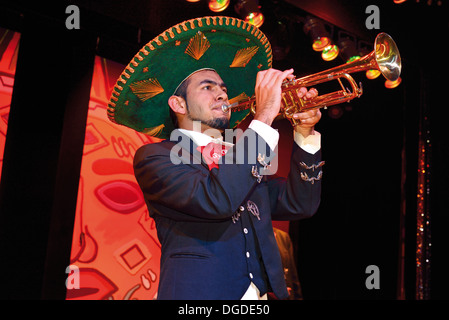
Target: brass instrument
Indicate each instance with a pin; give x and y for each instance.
(385, 58)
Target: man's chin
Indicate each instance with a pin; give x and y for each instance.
(218, 123)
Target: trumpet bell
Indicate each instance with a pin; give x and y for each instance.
(387, 56)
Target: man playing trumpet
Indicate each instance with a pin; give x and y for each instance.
(213, 211)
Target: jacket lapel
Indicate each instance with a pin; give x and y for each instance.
(186, 149)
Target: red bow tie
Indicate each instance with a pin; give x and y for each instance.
(212, 153)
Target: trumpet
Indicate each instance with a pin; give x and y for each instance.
(385, 57)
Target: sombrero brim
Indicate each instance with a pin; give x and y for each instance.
(235, 49)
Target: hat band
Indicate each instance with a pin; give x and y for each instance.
(202, 69)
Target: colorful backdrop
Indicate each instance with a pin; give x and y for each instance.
(115, 244)
(9, 47)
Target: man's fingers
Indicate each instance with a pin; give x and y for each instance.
(312, 93)
(308, 117)
(272, 77)
(302, 92)
(307, 95)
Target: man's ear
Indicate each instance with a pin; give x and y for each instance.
(177, 104)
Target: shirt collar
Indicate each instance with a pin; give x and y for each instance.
(201, 139)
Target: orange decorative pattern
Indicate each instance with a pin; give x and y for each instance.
(243, 56)
(146, 89)
(197, 46)
(115, 245)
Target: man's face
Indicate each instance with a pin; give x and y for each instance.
(206, 93)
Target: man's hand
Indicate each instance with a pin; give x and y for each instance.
(268, 93)
(308, 119)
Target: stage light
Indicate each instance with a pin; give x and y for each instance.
(321, 43)
(393, 84)
(330, 52)
(314, 28)
(249, 11)
(353, 58)
(193, 0)
(373, 74)
(218, 5)
(255, 18)
(348, 51)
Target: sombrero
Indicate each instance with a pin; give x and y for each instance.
(235, 49)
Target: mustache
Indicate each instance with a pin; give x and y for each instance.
(219, 105)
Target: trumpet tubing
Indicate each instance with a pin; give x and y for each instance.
(385, 57)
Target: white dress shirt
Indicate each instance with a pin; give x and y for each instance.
(311, 144)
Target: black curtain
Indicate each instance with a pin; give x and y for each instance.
(43, 150)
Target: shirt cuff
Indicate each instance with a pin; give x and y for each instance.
(270, 135)
(311, 144)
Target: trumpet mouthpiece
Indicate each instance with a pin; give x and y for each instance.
(227, 107)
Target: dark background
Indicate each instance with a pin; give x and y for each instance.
(371, 149)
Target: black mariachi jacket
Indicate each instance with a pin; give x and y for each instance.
(215, 227)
